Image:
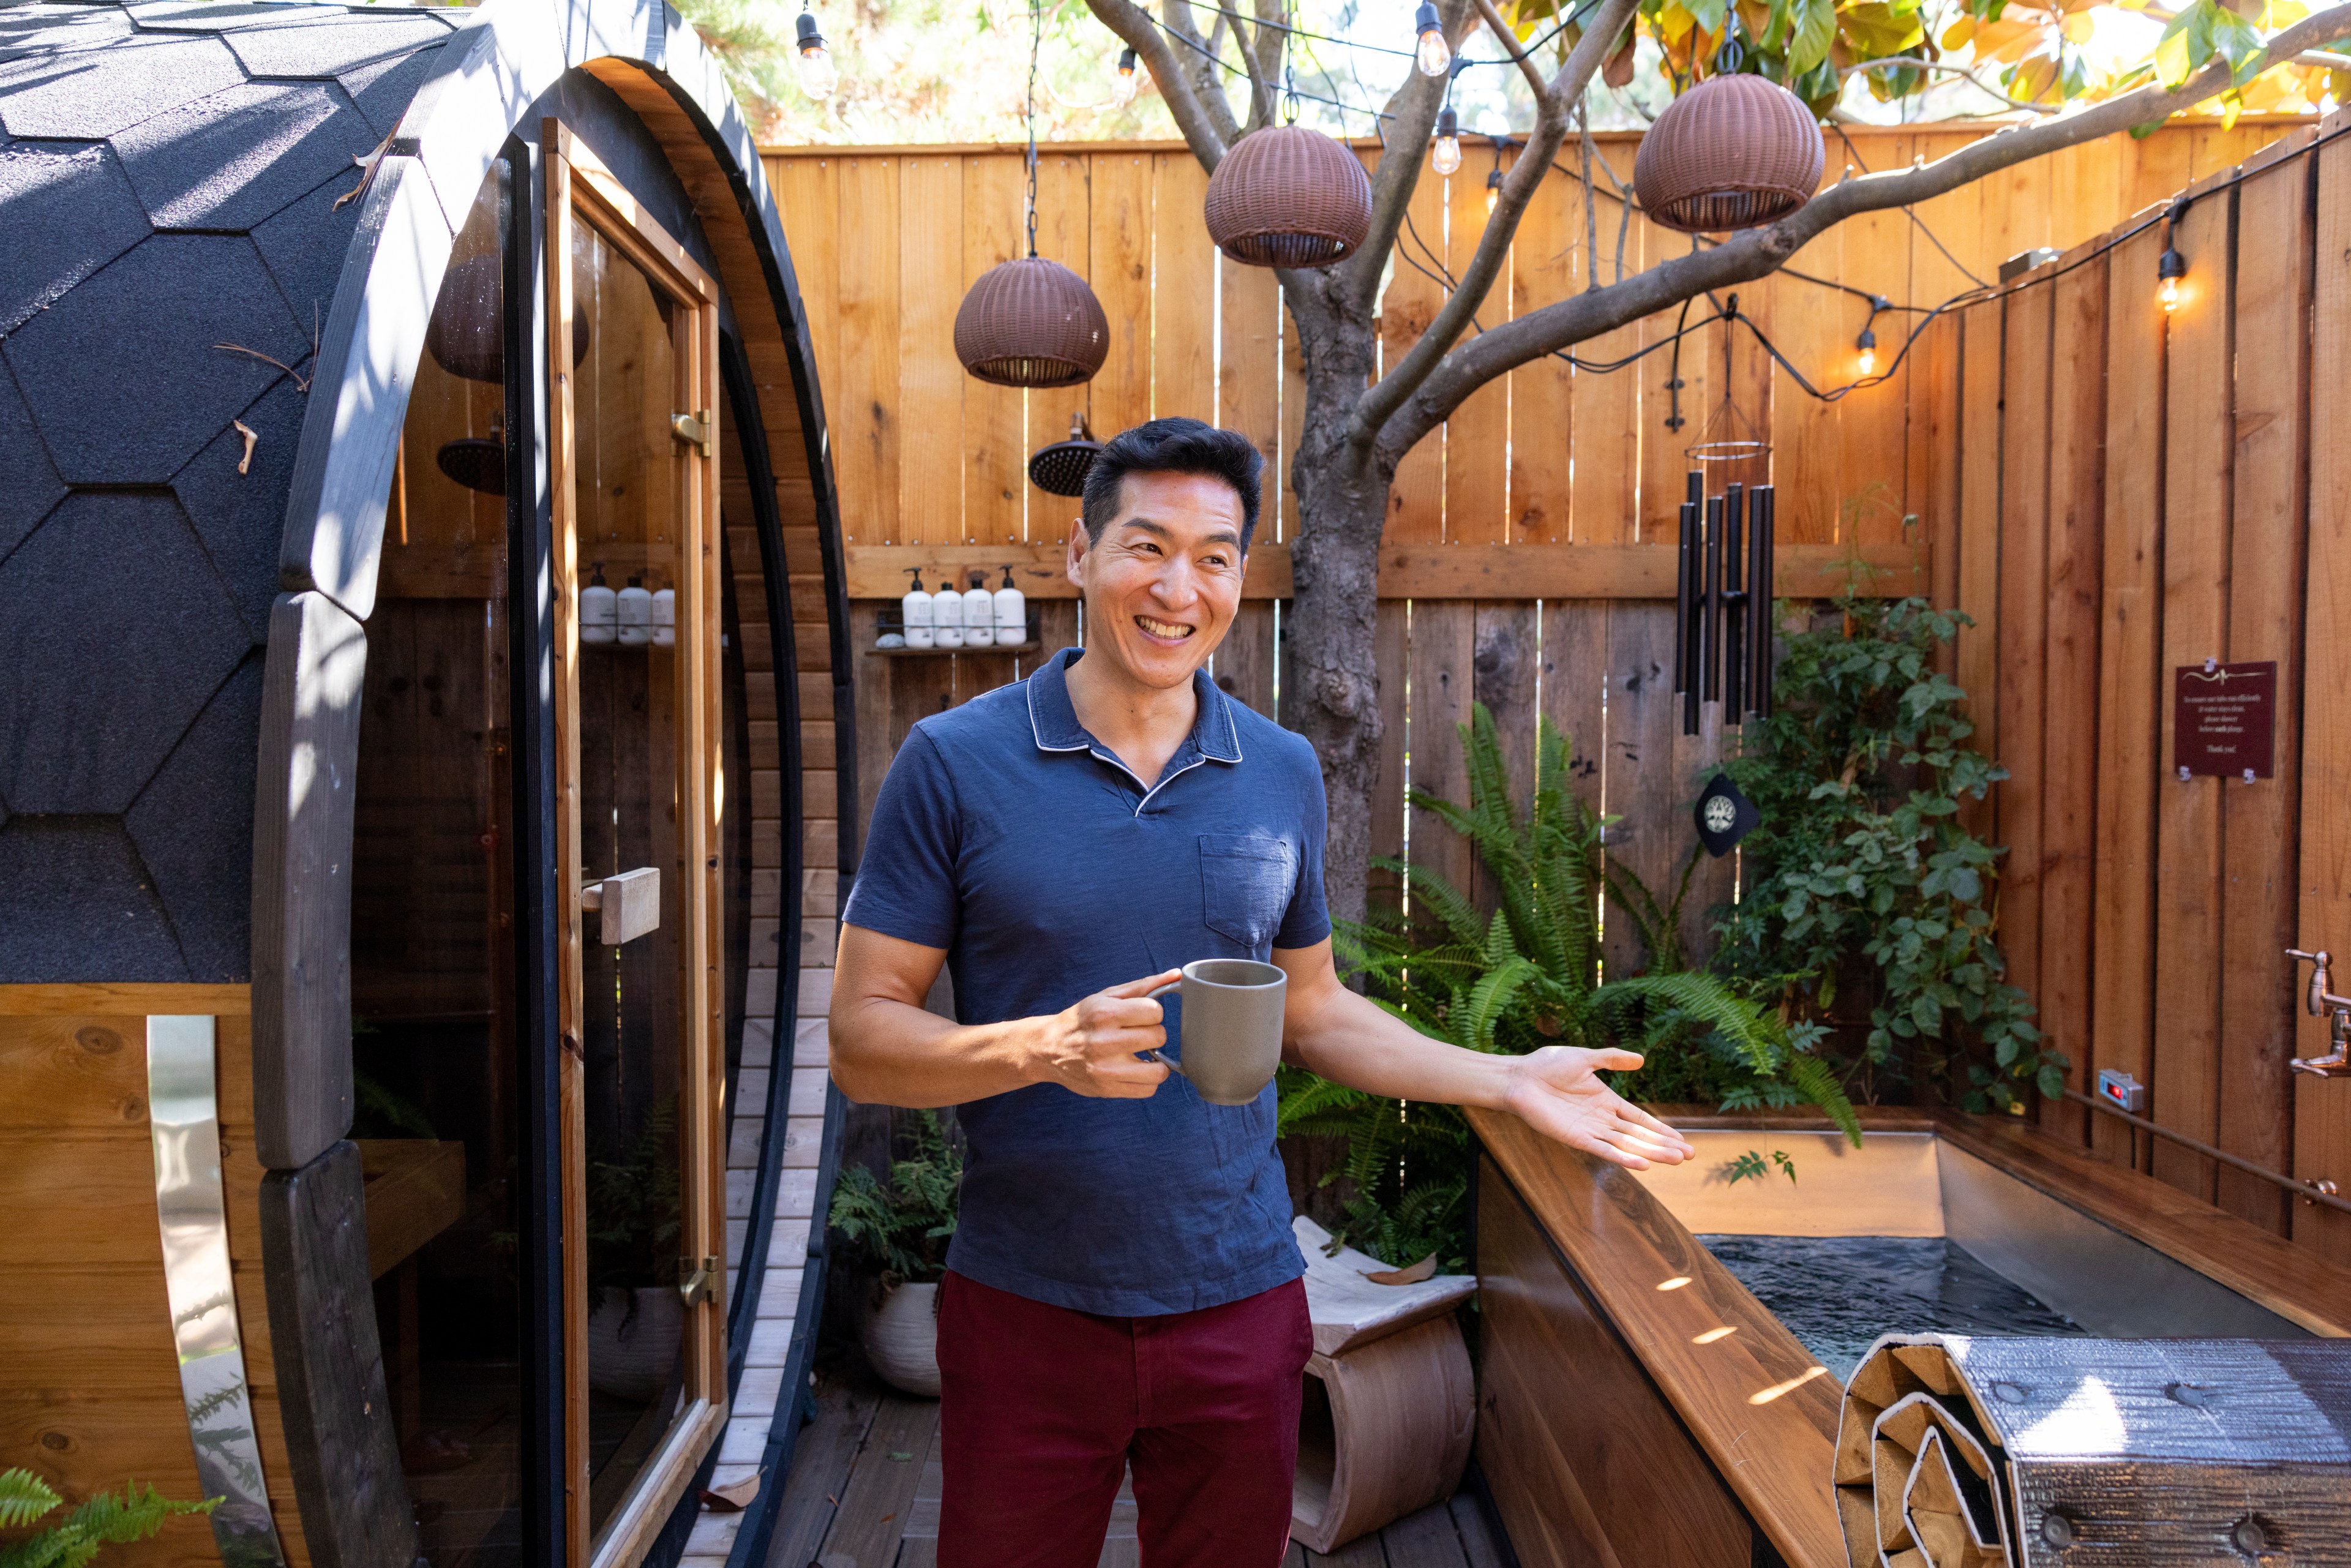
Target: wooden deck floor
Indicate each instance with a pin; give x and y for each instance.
(864, 1493)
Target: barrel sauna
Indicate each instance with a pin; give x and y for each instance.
(422, 660)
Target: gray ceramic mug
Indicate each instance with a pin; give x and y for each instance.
(1232, 1027)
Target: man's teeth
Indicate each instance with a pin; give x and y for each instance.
(1160, 628)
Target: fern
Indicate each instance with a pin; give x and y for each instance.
(903, 1228)
(103, 1520)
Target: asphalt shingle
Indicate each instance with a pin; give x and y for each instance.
(199, 856)
(241, 518)
(91, 93)
(230, 160)
(81, 907)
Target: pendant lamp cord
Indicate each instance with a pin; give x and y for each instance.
(1288, 65)
(1035, 42)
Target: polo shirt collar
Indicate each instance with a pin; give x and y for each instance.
(1054, 721)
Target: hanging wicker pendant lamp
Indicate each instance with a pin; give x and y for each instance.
(1029, 322)
(1289, 196)
(1734, 153)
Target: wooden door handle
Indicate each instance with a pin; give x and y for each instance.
(628, 905)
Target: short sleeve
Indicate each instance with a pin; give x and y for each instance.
(906, 882)
(1308, 919)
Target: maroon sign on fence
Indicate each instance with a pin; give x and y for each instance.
(2224, 719)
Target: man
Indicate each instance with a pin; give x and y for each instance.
(1123, 1286)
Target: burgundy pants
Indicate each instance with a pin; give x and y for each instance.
(1044, 1409)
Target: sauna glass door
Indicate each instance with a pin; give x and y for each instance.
(638, 732)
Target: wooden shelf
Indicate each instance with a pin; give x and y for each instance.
(951, 653)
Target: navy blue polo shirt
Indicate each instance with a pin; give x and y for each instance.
(1007, 835)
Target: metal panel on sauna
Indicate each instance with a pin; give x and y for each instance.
(1587, 1460)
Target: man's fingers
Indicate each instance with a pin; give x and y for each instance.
(1148, 983)
(1635, 1114)
(1613, 1060)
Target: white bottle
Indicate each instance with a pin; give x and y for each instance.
(666, 618)
(979, 615)
(915, 608)
(636, 615)
(1011, 614)
(947, 616)
(600, 616)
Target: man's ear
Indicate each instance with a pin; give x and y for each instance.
(1080, 541)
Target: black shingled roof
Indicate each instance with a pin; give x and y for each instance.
(169, 177)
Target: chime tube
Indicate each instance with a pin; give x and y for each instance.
(1684, 571)
(1759, 594)
(1734, 606)
(1709, 657)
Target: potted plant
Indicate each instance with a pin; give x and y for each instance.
(636, 1319)
(102, 1519)
(901, 1231)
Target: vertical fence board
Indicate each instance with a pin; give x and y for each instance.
(2259, 825)
(1665, 461)
(1477, 435)
(1815, 328)
(2130, 681)
(1244, 661)
(2322, 1110)
(930, 381)
(1443, 661)
(2069, 792)
(807, 194)
(1249, 374)
(2196, 448)
(1417, 496)
(1120, 234)
(1293, 424)
(865, 421)
(1391, 639)
(1541, 391)
(1872, 418)
(1977, 647)
(1064, 220)
(1505, 659)
(1652, 837)
(1183, 292)
(995, 419)
(1575, 687)
(1605, 425)
(2023, 617)
(1935, 451)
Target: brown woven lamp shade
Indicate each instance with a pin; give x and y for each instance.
(1734, 153)
(1289, 196)
(1031, 322)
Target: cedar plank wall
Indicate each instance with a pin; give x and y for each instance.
(2055, 545)
(2135, 493)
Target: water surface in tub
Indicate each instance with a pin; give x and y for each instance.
(1838, 1293)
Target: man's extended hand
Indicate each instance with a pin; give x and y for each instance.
(1092, 1047)
(1557, 1092)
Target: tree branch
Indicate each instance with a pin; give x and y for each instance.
(1911, 62)
(1378, 404)
(1412, 115)
(1206, 132)
(1757, 253)
(1502, 29)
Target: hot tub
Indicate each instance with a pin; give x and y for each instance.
(1639, 1403)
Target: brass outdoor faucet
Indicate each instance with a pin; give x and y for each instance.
(2324, 1003)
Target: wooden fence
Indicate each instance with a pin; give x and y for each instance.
(2133, 492)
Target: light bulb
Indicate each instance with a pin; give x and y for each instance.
(1433, 55)
(1493, 189)
(1867, 344)
(1124, 85)
(2171, 266)
(817, 77)
(1447, 156)
(2169, 295)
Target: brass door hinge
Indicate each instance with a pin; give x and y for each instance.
(694, 427)
(697, 1284)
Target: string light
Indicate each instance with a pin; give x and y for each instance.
(1867, 344)
(1122, 89)
(2171, 268)
(1433, 55)
(1493, 188)
(817, 77)
(1446, 159)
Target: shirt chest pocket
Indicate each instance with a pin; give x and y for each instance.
(1246, 880)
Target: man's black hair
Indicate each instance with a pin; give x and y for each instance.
(1173, 446)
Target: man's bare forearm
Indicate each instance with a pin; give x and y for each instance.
(887, 1052)
(1348, 1039)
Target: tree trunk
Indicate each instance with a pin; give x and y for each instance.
(1332, 691)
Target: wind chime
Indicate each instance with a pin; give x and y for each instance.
(1722, 631)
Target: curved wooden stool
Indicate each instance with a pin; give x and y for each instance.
(1390, 1403)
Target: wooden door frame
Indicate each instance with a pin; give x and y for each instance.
(579, 186)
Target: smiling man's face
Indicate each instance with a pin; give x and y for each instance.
(1164, 582)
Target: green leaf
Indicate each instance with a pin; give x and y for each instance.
(2186, 44)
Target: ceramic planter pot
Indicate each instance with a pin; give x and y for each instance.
(632, 1354)
(901, 1339)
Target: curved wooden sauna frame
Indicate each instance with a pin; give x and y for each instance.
(301, 1257)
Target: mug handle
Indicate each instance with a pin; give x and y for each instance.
(1161, 1057)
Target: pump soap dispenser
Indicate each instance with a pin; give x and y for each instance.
(946, 615)
(915, 607)
(979, 614)
(636, 607)
(600, 616)
(1011, 614)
